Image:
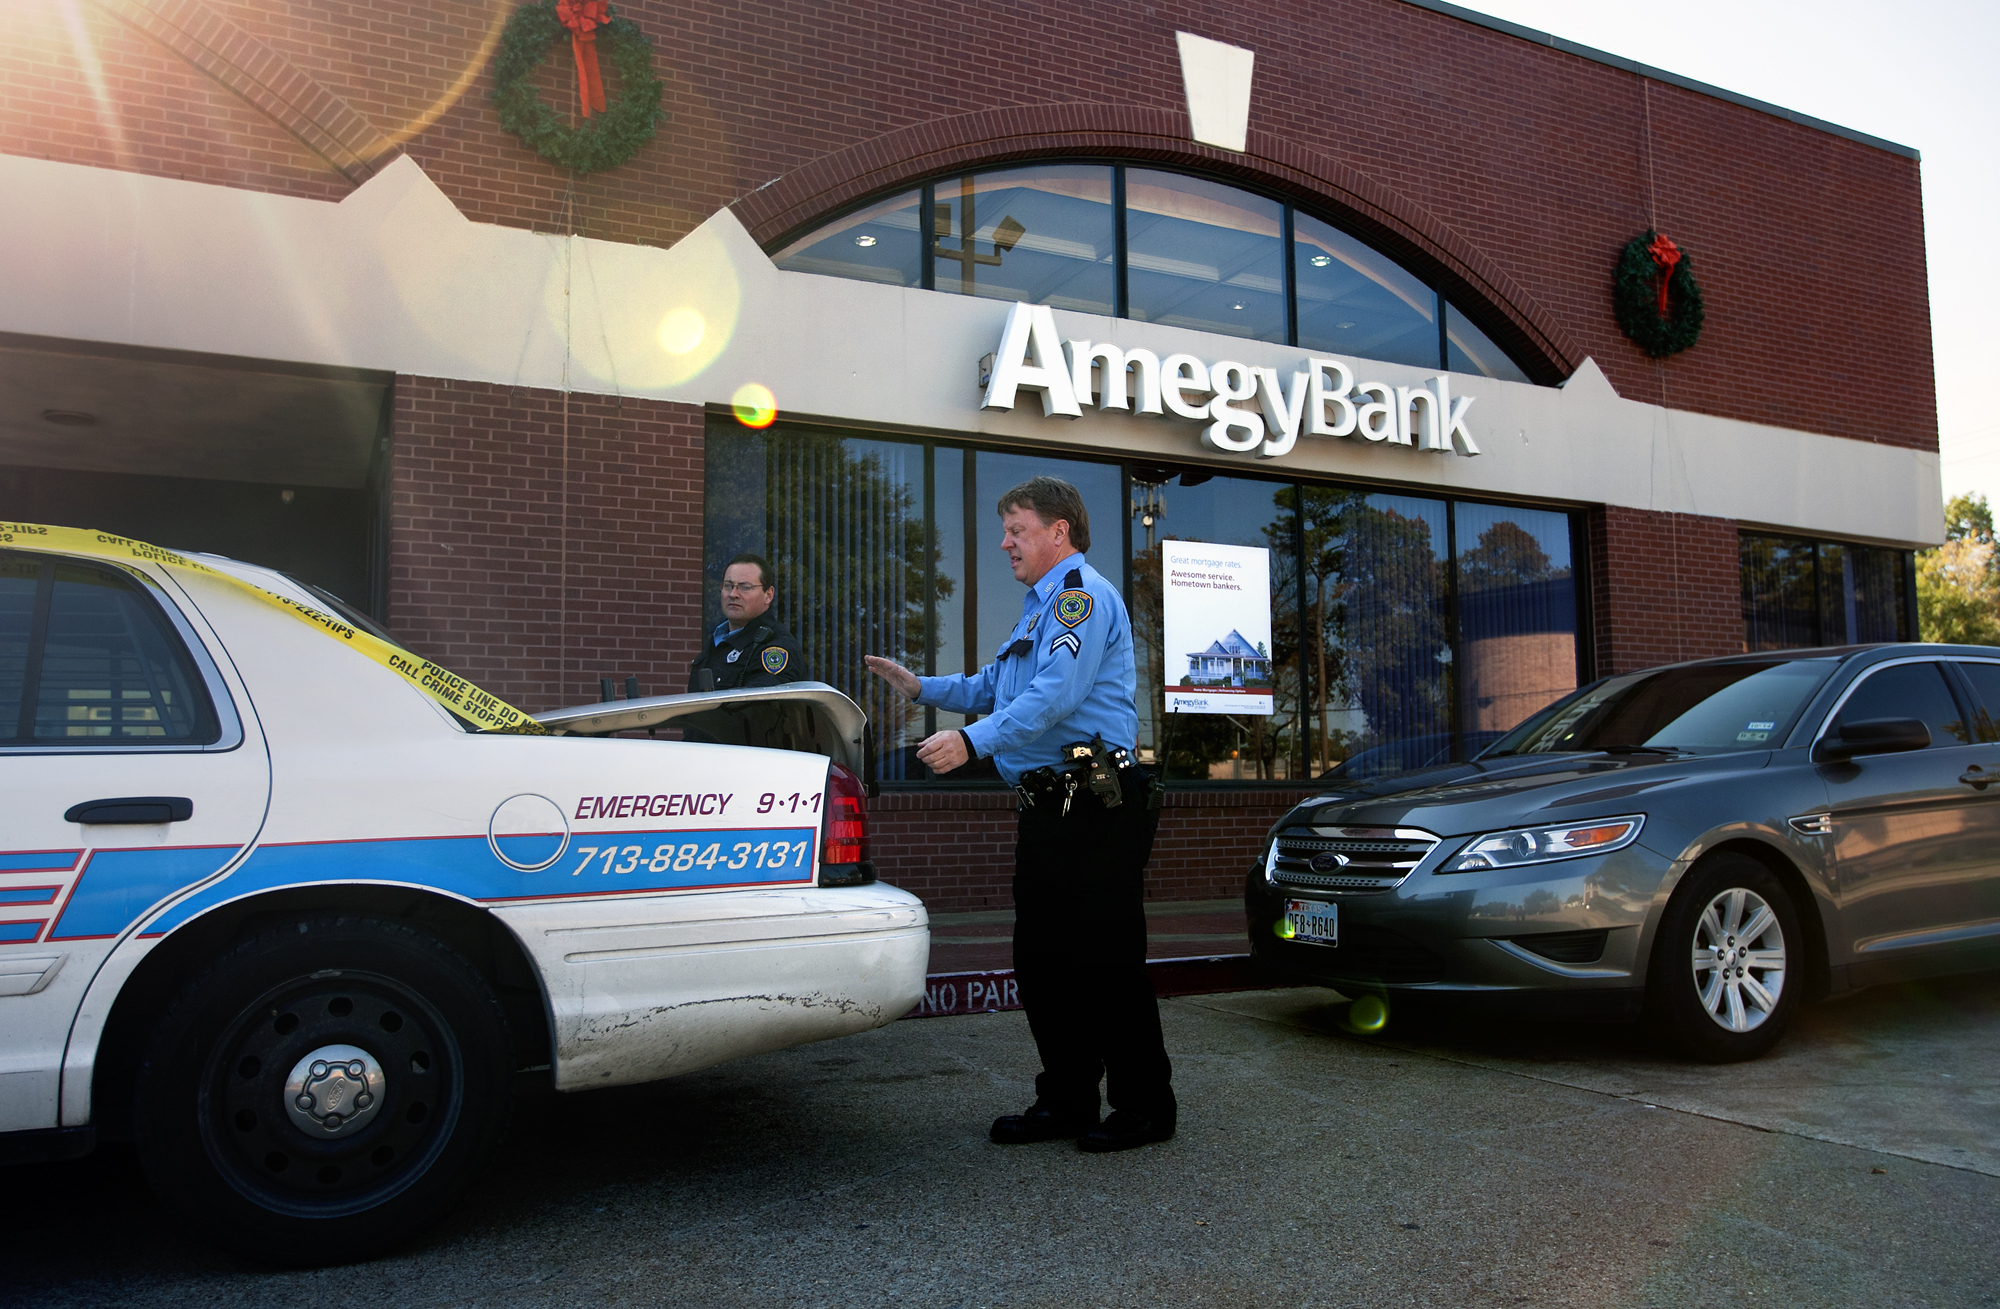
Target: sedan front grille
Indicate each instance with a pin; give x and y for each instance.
(1352, 859)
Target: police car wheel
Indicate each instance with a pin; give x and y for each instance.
(324, 1090)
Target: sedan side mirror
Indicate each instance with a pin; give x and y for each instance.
(1872, 736)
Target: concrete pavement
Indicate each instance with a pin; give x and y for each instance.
(1495, 1165)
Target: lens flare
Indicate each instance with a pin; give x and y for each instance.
(681, 330)
(1368, 1014)
(1284, 930)
(755, 405)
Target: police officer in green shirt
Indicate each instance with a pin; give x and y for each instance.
(749, 647)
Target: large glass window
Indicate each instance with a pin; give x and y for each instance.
(1405, 630)
(1046, 235)
(1800, 593)
(1354, 300)
(880, 243)
(1224, 511)
(1157, 246)
(1203, 255)
(1516, 615)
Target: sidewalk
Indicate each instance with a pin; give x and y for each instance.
(1194, 947)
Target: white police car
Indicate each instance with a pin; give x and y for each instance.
(271, 905)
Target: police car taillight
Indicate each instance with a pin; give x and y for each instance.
(843, 832)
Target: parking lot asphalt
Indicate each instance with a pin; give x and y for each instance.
(1457, 1165)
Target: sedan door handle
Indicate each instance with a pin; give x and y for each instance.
(1978, 778)
(132, 809)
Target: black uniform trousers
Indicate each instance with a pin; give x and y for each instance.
(1080, 952)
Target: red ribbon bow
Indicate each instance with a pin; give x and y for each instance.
(583, 18)
(1665, 256)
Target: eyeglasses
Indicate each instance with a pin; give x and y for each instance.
(740, 588)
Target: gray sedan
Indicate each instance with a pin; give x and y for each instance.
(1708, 845)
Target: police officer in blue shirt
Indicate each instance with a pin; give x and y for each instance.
(1060, 723)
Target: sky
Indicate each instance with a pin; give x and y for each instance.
(1919, 73)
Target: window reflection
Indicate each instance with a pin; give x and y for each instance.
(1203, 255)
(1356, 301)
(1045, 235)
(1224, 511)
(1378, 668)
(891, 546)
(1469, 350)
(876, 244)
(1516, 616)
(841, 521)
(1806, 593)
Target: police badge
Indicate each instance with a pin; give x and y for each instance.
(1072, 607)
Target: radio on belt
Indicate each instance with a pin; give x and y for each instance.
(1101, 773)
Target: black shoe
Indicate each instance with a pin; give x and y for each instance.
(1124, 1130)
(1040, 1123)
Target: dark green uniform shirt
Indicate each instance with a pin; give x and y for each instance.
(763, 653)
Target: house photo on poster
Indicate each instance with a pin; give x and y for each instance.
(1216, 625)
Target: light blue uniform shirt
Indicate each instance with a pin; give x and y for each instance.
(1075, 681)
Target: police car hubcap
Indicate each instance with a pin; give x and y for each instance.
(334, 1090)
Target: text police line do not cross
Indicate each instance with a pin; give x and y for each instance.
(1322, 399)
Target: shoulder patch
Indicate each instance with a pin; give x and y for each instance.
(1072, 607)
(775, 658)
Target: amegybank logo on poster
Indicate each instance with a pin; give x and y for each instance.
(1217, 628)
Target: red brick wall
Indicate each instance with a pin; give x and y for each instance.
(956, 849)
(159, 116)
(476, 547)
(1543, 162)
(1665, 587)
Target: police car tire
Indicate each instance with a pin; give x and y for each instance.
(222, 1146)
(1674, 1000)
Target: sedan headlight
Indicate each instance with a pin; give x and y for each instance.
(1540, 845)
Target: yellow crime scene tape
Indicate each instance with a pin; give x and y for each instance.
(461, 697)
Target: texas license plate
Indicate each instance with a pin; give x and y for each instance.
(1313, 921)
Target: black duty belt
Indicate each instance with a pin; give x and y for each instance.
(1087, 767)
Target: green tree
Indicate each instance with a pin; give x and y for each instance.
(1507, 555)
(1958, 597)
(1958, 583)
(1968, 517)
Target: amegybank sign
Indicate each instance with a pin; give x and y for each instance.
(1247, 410)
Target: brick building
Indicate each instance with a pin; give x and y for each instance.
(276, 282)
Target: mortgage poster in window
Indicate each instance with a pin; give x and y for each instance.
(1216, 602)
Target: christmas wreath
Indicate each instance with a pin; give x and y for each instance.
(1654, 291)
(610, 135)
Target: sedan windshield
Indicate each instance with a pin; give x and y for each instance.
(1707, 709)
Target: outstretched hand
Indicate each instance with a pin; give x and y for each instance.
(893, 673)
(943, 751)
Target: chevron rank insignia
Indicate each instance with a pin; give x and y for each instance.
(1067, 641)
(1072, 607)
(775, 659)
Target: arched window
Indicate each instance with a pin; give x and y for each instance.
(1156, 246)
